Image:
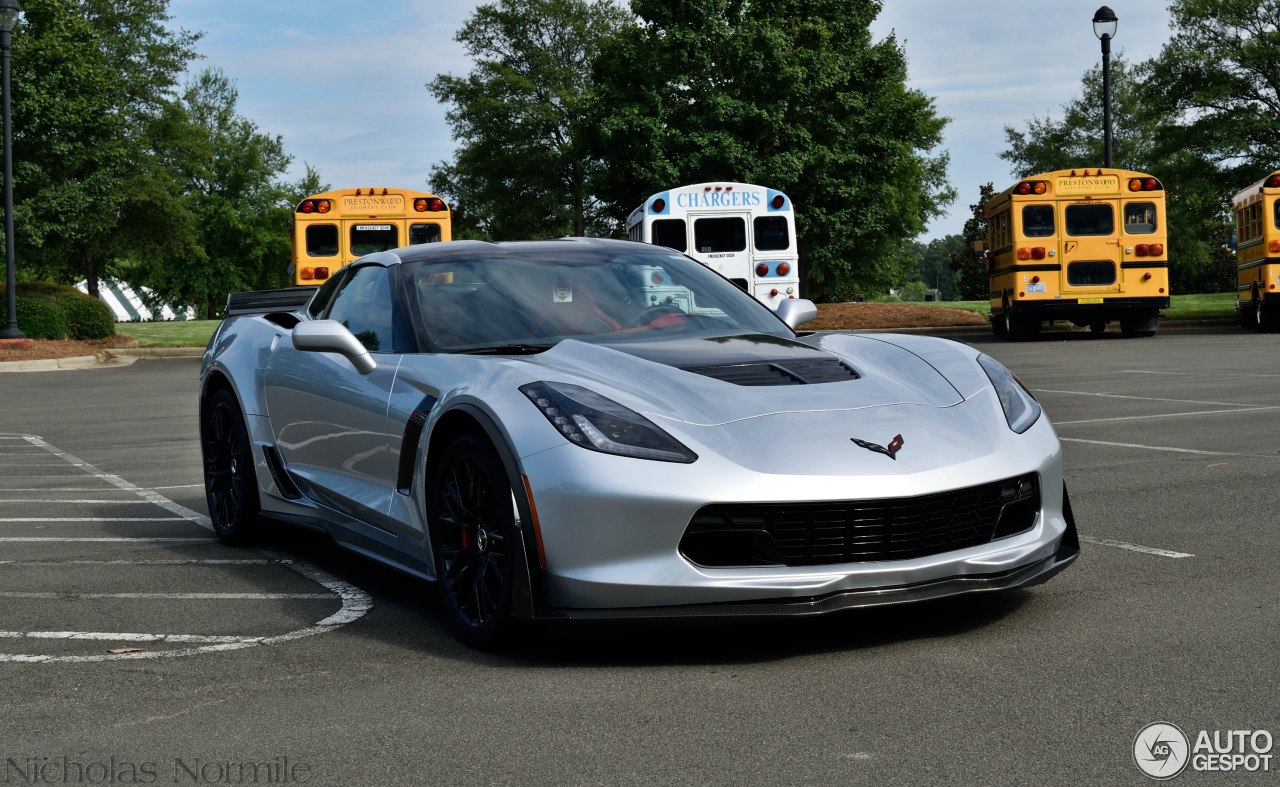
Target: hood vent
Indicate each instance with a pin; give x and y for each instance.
(825, 370)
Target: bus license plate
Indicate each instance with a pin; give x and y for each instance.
(1089, 300)
(1036, 287)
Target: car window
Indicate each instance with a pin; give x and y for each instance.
(1090, 220)
(324, 295)
(1140, 218)
(364, 306)
(471, 299)
(1037, 221)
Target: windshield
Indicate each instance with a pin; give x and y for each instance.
(480, 298)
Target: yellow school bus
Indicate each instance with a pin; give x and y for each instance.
(1088, 246)
(1258, 254)
(337, 227)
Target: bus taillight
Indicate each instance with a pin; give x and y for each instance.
(307, 206)
(1031, 187)
(762, 269)
(1037, 252)
(659, 205)
(1142, 249)
(778, 201)
(1273, 181)
(1150, 184)
(424, 204)
(321, 273)
(1157, 249)
(307, 273)
(322, 206)
(1274, 245)
(783, 269)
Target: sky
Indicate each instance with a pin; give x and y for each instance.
(344, 82)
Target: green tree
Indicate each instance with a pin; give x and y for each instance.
(972, 283)
(519, 170)
(793, 94)
(241, 211)
(90, 78)
(933, 264)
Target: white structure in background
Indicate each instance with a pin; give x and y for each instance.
(127, 306)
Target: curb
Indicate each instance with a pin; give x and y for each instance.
(118, 357)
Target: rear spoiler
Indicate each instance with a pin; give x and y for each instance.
(267, 301)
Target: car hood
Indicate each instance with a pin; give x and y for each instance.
(656, 378)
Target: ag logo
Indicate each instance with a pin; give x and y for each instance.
(1160, 750)
(891, 451)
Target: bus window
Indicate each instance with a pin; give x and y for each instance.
(1090, 220)
(727, 233)
(670, 233)
(1140, 218)
(322, 240)
(771, 233)
(1091, 274)
(368, 238)
(423, 233)
(1037, 221)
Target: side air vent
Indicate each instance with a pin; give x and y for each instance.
(825, 370)
(280, 474)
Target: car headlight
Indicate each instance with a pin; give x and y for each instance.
(588, 419)
(1020, 408)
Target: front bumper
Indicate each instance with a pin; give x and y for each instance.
(1026, 576)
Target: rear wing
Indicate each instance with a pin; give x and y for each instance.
(267, 301)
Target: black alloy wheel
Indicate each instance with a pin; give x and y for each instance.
(474, 540)
(230, 485)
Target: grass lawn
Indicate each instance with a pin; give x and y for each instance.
(189, 333)
(1207, 306)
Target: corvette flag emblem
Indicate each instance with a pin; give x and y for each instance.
(894, 445)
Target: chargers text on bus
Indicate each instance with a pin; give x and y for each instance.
(743, 232)
(337, 227)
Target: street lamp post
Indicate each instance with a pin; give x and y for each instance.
(1104, 27)
(9, 13)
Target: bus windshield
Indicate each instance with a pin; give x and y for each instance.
(475, 299)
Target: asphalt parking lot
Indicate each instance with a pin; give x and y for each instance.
(301, 651)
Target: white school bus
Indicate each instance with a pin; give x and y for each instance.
(744, 232)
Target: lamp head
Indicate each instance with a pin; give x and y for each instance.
(1105, 23)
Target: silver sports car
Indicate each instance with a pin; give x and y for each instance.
(594, 429)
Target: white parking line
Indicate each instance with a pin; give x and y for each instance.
(29, 539)
(1151, 447)
(1163, 415)
(169, 596)
(117, 636)
(80, 501)
(1145, 398)
(192, 562)
(93, 518)
(1106, 542)
(1215, 375)
(120, 483)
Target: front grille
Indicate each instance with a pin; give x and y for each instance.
(860, 531)
(823, 370)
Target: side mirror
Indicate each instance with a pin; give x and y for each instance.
(331, 336)
(797, 311)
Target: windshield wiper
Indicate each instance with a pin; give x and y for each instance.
(508, 349)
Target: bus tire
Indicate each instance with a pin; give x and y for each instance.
(1018, 327)
(1098, 326)
(997, 322)
(1245, 313)
(1264, 315)
(1140, 325)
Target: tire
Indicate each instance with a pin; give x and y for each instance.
(1264, 315)
(1140, 325)
(230, 484)
(1245, 314)
(997, 323)
(1097, 327)
(474, 541)
(1017, 328)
